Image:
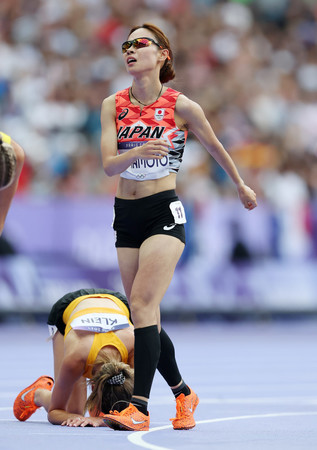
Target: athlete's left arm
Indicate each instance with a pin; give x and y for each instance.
(196, 121)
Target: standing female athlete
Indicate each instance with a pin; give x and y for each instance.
(144, 130)
(92, 338)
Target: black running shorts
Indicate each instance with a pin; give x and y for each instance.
(137, 220)
(56, 315)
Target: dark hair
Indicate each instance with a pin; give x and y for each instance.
(104, 394)
(167, 72)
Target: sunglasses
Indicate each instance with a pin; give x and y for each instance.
(139, 43)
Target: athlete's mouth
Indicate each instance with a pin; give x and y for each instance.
(131, 60)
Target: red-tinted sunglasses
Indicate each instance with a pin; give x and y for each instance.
(139, 43)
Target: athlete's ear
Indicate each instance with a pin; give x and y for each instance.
(165, 54)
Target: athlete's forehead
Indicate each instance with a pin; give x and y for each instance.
(142, 32)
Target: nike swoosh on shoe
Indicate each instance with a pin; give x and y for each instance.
(137, 422)
(25, 393)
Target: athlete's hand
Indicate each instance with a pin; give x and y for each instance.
(73, 421)
(84, 422)
(247, 197)
(153, 149)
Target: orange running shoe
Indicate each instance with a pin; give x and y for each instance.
(24, 405)
(185, 407)
(130, 419)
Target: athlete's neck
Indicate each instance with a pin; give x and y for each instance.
(145, 91)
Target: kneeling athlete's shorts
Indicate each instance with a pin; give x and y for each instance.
(137, 220)
(56, 315)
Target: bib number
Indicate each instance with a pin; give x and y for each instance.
(178, 212)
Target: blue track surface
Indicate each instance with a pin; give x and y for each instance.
(257, 384)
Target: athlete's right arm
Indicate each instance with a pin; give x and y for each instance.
(113, 163)
(70, 373)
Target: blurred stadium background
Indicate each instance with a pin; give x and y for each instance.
(251, 64)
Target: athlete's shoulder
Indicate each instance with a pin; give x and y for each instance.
(189, 111)
(108, 106)
(186, 105)
(110, 100)
(184, 101)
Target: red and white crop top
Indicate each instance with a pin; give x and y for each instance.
(155, 121)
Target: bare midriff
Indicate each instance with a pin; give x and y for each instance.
(132, 189)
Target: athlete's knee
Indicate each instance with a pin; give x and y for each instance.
(143, 312)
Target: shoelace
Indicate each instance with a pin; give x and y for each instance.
(181, 407)
(180, 404)
(117, 413)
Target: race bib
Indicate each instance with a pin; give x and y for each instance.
(178, 212)
(100, 322)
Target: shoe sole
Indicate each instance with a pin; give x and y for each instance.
(112, 423)
(185, 428)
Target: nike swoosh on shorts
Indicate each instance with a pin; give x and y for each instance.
(169, 227)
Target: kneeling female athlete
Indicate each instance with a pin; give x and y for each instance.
(92, 338)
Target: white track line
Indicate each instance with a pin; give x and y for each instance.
(137, 437)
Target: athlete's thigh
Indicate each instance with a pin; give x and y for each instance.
(128, 259)
(158, 257)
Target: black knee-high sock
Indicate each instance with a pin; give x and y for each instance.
(147, 348)
(167, 365)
